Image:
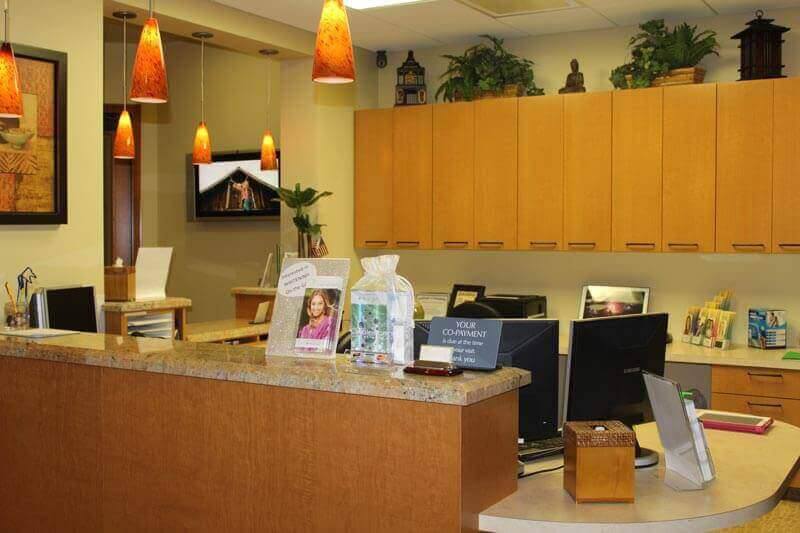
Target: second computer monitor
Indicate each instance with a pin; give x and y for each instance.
(604, 369)
(531, 345)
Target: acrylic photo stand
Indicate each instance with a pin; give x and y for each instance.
(688, 461)
(296, 275)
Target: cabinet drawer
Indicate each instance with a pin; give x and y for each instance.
(756, 381)
(781, 409)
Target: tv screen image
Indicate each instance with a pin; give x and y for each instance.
(599, 301)
(234, 186)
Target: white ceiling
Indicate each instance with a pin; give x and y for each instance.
(441, 22)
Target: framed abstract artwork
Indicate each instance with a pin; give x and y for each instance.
(33, 147)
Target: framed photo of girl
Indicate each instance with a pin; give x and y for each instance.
(320, 316)
(33, 147)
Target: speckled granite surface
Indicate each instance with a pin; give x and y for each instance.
(147, 305)
(250, 365)
(223, 330)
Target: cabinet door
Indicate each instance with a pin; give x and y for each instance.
(587, 171)
(412, 180)
(496, 173)
(690, 167)
(373, 178)
(744, 166)
(636, 170)
(786, 178)
(540, 220)
(453, 175)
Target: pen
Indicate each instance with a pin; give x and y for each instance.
(11, 297)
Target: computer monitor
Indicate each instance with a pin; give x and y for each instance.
(70, 308)
(604, 368)
(531, 345)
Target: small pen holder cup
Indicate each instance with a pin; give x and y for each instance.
(17, 317)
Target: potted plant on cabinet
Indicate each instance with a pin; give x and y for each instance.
(300, 200)
(487, 70)
(660, 56)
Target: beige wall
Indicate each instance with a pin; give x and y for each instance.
(677, 281)
(71, 253)
(211, 257)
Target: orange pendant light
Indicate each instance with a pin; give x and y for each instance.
(269, 158)
(333, 53)
(124, 147)
(10, 95)
(201, 151)
(149, 78)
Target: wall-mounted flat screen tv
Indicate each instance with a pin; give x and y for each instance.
(234, 187)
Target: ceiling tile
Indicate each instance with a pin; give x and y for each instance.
(374, 33)
(463, 23)
(633, 12)
(561, 21)
(725, 7)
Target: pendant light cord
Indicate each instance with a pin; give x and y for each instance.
(269, 90)
(202, 80)
(6, 38)
(125, 64)
(151, 8)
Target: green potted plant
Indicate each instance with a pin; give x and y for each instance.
(657, 51)
(300, 200)
(685, 47)
(487, 70)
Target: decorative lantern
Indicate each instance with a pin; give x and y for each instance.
(761, 49)
(410, 88)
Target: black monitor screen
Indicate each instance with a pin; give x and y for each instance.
(72, 308)
(531, 345)
(606, 359)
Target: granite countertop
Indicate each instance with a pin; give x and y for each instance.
(147, 305)
(738, 355)
(251, 365)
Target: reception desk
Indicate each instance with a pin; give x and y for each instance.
(109, 433)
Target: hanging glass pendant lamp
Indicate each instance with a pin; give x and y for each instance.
(333, 52)
(201, 152)
(124, 146)
(269, 159)
(149, 78)
(10, 94)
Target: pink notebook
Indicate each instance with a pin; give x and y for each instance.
(733, 422)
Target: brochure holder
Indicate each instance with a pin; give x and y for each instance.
(688, 461)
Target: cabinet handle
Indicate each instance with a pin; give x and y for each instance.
(376, 243)
(407, 244)
(773, 405)
(582, 244)
(455, 244)
(543, 244)
(684, 245)
(749, 245)
(646, 245)
(789, 245)
(490, 244)
(765, 375)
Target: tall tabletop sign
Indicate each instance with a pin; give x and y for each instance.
(475, 342)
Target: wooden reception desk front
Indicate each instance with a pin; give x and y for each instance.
(108, 433)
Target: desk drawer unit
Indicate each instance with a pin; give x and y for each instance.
(758, 391)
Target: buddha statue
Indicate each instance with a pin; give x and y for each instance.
(574, 80)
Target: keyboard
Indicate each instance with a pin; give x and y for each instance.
(533, 450)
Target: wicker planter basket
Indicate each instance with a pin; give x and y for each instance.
(681, 76)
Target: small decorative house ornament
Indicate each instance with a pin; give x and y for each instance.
(410, 88)
(761, 49)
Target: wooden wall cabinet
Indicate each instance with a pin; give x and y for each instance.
(373, 178)
(744, 166)
(689, 168)
(540, 176)
(587, 171)
(496, 173)
(786, 177)
(453, 175)
(412, 181)
(636, 165)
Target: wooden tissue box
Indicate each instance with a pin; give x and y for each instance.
(598, 464)
(120, 284)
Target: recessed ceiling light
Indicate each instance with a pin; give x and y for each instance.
(370, 4)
